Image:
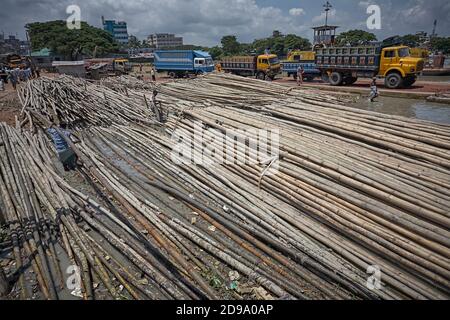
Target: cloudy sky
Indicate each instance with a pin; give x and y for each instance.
(204, 22)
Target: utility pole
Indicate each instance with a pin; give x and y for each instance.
(433, 35)
(327, 7)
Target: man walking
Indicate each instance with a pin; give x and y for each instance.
(373, 90)
(13, 76)
(300, 73)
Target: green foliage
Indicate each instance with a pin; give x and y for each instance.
(230, 45)
(216, 52)
(411, 40)
(278, 43)
(441, 44)
(134, 43)
(355, 37)
(70, 43)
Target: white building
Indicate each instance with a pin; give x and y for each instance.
(164, 40)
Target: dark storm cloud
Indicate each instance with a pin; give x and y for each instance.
(205, 21)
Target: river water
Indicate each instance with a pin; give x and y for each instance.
(411, 108)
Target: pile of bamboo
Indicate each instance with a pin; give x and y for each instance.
(354, 190)
(79, 103)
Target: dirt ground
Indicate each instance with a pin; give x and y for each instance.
(9, 105)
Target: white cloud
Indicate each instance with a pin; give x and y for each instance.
(296, 11)
(204, 22)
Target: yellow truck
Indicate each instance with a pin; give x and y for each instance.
(263, 67)
(343, 65)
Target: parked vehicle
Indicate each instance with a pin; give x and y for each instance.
(262, 67)
(305, 59)
(178, 63)
(343, 65)
(116, 66)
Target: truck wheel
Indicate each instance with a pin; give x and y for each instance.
(295, 76)
(325, 77)
(393, 81)
(261, 76)
(199, 72)
(172, 75)
(336, 79)
(350, 80)
(309, 78)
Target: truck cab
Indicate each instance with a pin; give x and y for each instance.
(121, 66)
(268, 65)
(203, 65)
(399, 67)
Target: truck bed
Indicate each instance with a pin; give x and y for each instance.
(292, 66)
(349, 58)
(239, 63)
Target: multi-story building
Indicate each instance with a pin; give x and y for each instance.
(118, 29)
(12, 44)
(164, 40)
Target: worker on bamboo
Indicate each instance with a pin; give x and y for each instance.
(373, 90)
(300, 73)
(66, 155)
(153, 73)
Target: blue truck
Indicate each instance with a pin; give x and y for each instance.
(310, 69)
(179, 63)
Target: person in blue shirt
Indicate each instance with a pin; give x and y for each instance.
(66, 155)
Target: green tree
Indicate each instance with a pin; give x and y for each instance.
(216, 52)
(281, 44)
(230, 45)
(134, 43)
(411, 40)
(355, 37)
(71, 43)
(441, 44)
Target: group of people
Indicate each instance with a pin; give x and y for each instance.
(18, 74)
(152, 71)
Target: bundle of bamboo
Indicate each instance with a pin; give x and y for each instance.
(354, 190)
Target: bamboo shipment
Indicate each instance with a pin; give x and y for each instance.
(341, 203)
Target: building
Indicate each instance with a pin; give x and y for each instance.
(164, 40)
(12, 44)
(118, 29)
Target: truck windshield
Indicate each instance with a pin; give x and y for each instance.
(404, 52)
(273, 60)
(209, 62)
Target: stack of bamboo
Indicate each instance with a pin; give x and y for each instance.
(354, 190)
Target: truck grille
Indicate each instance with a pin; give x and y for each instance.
(420, 66)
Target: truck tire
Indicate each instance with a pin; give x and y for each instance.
(295, 76)
(350, 80)
(325, 77)
(393, 81)
(172, 75)
(199, 72)
(336, 79)
(261, 76)
(309, 78)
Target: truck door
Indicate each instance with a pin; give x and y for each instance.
(199, 63)
(263, 64)
(388, 58)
